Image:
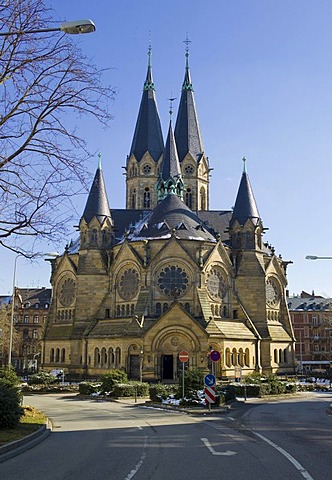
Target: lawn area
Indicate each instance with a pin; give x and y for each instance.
(29, 423)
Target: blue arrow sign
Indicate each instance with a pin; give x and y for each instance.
(209, 380)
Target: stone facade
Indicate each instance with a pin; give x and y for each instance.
(167, 274)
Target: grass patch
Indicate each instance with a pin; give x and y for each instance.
(30, 421)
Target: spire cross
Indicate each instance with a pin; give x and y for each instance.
(99, 160)
(244, 164)
(149, 50)
(171, 100)
(187, 41)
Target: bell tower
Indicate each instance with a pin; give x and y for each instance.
(193, 161)
(143, 161)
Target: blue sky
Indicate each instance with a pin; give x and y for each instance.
(262, 76)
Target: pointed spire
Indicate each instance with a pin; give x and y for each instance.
(245, 205)
(97, 204)
(187, 130)
(170, 181)
(148, 135)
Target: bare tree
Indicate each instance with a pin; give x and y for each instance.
(46, 84)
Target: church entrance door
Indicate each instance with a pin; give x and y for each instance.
(167, 367)
(134, 367)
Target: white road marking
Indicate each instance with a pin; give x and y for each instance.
(138, 465)
(289, 457)
(227, 453)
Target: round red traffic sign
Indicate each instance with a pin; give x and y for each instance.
(183, 356)
(215, 355)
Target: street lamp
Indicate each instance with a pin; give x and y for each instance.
(73, 28)
(315, 257)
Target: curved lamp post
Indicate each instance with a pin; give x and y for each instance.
(49, 254)
(73, 28)
(315, 257)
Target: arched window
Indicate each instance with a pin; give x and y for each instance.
(123, 310)
(187, 307)
(63, 355)
(228, 357)
(118, 311)
(133, 199)
(103, 357)
(234, 357)
(111, 358)
(96, 357)
(52, 355)
(94, 237)
(275, 355)
(57, 355)
(189, 198)
(202, 199)
(165, 307)
(212, 309)
(285, 355)
(280, 356)
(247, 357)
(158, 308)
(146, 198)
(132, 309)
(241, 357)
(127, 309)
(117, 357)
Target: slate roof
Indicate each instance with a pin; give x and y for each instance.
(245, 205)
(148, 135)
(187, 129)
(170, 167)
(170, 216)
(309, 304)
(97, 204)
(35, 295)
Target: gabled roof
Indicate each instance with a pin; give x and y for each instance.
(97, 204)
(187, 130)
(171, 216)
(245, 205)
(148, 135)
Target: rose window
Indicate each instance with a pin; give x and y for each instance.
(173, 281)
(67, 292)
(128, 284)
(216, 284)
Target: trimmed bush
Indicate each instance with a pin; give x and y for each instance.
(10, 409)
(159, 392)
(9, 377)
(111, 378)
(88, 388)
(42, 378)
(131, 389)
(193, 381)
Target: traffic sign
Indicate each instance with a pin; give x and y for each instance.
(209, 380)
(214, 355)
(210, 394)
(183, 356)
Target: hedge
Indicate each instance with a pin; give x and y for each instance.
(10, 408)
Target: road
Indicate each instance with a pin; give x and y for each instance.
(286, 440)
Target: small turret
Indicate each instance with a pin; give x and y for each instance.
(246, 226)
(96, 224)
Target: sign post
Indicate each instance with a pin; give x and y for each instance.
(183, 357)
(210, 389)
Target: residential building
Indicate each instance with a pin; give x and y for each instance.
(311, 318)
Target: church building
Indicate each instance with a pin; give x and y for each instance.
(167, 274)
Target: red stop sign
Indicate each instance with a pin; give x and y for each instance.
(183, 356)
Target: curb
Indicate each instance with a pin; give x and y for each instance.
(18, 446)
